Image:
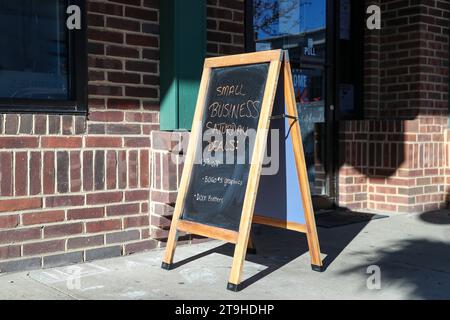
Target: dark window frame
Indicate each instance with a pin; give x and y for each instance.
(77, 51)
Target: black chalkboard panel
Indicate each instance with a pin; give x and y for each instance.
(219, 177)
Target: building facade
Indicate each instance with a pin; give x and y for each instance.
(89, 117)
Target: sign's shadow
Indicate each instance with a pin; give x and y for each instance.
(275, 248)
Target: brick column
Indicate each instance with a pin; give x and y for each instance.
(406, 96)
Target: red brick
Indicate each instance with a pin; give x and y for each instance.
(163, 209)
(141, 14)
(115, 103)
(120, 51)
(123, 129)
(137, 142)
(105, 8)
(35, 173)
(105, 36)
(111, 168)
(19, 235)
(102, 226)
(123, 24)
(21, 171)
(99, 170)
(85, 242)
(61, 142)
(105, 90)
(142, 66)
(141, 92)
(64, 201)
(103, 142)
(9, 252)
(124, 77)
(10, 221)
(144, 169)
(6, 179)
(96, 75)
(133, 169)
(40, 124)
(43, 217)
(106, 116)
(135, 222)
(88, 171)
(160, 221)
(105, 63)
(122, 169)
(215, 12)
(104, 197)
(67, 124)
(122, 236)
(157, 233)
(62, 171)
(37, 248)
(145, 233)
(142, 40)
(136, 195)
(85, 213)
(20, 204)
(18, 142)
(133, 117)
(75, 171)
(62, 230)
(49, 172)
(123, 209)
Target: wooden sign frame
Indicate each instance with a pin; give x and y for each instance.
(277, 60)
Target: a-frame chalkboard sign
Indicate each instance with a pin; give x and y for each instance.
(216, 198)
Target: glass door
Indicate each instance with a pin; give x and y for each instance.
(302, 28)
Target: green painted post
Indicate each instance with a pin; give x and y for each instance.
(182, 52)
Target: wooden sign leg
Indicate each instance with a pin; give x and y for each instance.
(291, 107)
(238, 262)
(171, 244)
(254, 175)
(195, 138)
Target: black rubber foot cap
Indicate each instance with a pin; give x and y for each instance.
(318, 268)
(166, 266)
(233, 287)
(251, 250)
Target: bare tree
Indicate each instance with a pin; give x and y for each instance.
(267, 12)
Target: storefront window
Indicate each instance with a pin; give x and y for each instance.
(40, 58)
(34, 52)
(299, 26)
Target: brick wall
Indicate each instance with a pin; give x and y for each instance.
(396, 161)
(76, 188)
(225, 27)
(73, 188)
(386, 166)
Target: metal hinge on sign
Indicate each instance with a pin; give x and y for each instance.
(282, 116)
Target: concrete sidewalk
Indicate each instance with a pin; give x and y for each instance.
(412, 251)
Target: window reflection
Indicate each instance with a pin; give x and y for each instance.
(299, 26)
(33, 55)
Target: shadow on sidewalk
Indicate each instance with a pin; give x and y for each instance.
(277, 247)
(419, 266)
